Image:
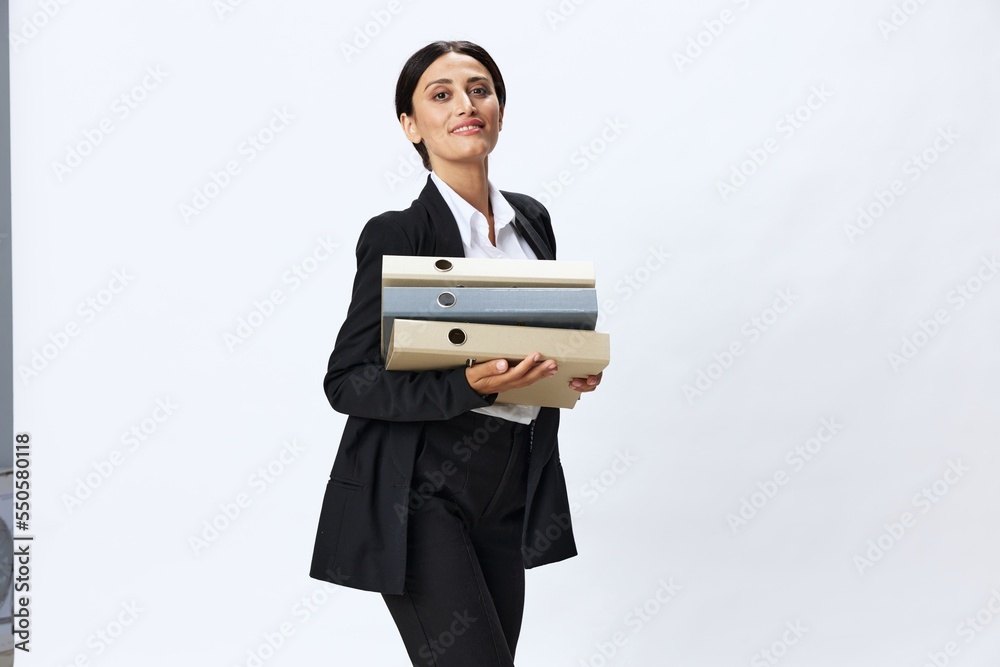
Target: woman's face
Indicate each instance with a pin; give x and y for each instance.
(455, 111)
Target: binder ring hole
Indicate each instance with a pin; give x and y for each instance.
(456, 337)
(443, 265)
(446, 299)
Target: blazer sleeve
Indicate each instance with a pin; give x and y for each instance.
(535, 210)
(356, 382)
(543, 216)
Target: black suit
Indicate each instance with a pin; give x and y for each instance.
(361, 539)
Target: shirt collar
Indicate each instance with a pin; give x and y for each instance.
(503, 212)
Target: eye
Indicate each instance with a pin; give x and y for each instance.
(481, 90)
(441, 95)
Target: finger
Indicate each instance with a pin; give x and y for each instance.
(539, 370)
(588, 383)
(485, 369)
(527, 365)
(479, 376)
(489, 376)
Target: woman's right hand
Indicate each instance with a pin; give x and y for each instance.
(497, 376)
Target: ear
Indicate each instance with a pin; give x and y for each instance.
(409, 128)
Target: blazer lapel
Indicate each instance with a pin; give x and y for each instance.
(526, 227)
(447, 238)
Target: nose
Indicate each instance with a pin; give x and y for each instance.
(465, 105)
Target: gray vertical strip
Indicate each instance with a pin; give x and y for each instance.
(6, 295)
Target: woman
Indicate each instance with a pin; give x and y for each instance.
(438, 498)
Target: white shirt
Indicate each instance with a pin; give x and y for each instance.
(475, 230)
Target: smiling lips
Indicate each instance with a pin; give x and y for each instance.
(468, 128)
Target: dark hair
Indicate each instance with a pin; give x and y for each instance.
(422, 59)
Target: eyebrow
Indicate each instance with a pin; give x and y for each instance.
(469, 80)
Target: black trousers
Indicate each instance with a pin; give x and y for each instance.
(464, 593)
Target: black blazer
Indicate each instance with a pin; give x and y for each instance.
(361, 538)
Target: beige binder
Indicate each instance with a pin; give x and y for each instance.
(410, 271)
(419, 345)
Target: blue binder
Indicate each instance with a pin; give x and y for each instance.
(551, 307)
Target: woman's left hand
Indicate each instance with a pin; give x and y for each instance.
(588, 383)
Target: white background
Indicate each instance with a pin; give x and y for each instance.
(683, 127)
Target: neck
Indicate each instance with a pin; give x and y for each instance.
(470, 182)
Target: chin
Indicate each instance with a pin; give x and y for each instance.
(467, 158)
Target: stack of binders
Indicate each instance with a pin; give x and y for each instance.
(449, 312)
